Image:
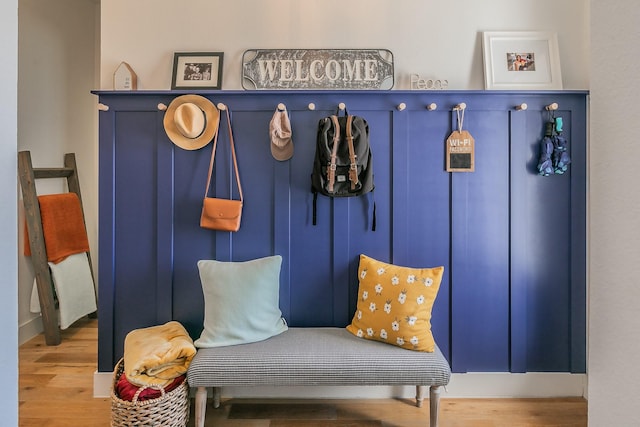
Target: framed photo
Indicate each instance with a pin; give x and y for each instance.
(199, 70)
(521, 60)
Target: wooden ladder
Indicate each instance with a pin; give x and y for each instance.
(28, 174)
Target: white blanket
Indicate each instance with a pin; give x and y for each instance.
(74, 287)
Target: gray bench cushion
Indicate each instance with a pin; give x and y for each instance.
(316, 356)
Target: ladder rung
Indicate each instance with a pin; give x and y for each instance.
(52, 172)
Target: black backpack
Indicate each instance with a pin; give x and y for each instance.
(342, 165)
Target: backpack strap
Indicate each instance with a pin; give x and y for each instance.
(373, 218)
(353, 169)
(331, 167)
(315, 207)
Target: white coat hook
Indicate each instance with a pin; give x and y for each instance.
(432, 107)
(311, 106)
(461, 106)
(342, 106)
(401, 106)
(221, 106)
(522, 106)
(103, 107)
(162, 107)
(552, 107)
(282, 107)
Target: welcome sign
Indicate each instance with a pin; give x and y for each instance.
(317, 69)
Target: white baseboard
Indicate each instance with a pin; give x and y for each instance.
(30, 329)
(471, 385)
(507, 385)
(102, 384)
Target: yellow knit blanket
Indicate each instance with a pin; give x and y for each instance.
(158, 354)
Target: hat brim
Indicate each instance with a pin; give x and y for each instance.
(212, 116)
(283, 152)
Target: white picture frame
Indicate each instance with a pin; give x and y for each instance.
(521, 60)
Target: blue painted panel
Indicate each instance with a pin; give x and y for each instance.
(165, 228)
(548, 219)
(312, 284)
(577, 134)
(521, 161)
(480, 249)
(426, 210)
(135, 225)
(513, 295)
(190, 242)
(255, 237)
(106, 230)
(362, 240)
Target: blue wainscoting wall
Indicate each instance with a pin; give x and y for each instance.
(513, 243)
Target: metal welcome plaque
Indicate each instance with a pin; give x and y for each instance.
(317, 69)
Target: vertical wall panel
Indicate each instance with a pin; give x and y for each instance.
(311, 266)
(577, 134)
(362, 240)
(549, 262)
(135, 224)
(542, 218)
(190, 242)
(165, 178)
(106, 231)
(426, 214)
(480, 249)
(523, 154)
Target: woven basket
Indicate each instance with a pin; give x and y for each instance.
(169, 410)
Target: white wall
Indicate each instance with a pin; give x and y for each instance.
(440, 39)
(436, 39)
(56, 111)
(8, 212)
(614, 323)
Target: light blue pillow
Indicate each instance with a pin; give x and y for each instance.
(241, 301)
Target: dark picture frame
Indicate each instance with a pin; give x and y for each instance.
(199, 70)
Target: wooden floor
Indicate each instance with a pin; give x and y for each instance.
(56, 387)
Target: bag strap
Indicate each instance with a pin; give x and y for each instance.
(233, 155)
(213, 155)
(353, 169)
(331, 167)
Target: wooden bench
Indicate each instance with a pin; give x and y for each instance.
(316, 357)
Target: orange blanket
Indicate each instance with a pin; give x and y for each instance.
(62, 226)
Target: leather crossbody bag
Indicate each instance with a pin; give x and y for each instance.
(222, 214)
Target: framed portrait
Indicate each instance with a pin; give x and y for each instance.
(521, 60)
(197, 70)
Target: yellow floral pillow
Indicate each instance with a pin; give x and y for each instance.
(394, 304)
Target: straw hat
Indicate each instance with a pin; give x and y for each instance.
(280, 133)
(191, 121)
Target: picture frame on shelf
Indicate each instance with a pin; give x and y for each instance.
(197, 70)
(521, 60)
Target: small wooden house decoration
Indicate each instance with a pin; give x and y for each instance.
(125, 78)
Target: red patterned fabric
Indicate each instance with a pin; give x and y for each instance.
(126, 391)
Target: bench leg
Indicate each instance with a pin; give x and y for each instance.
(419, 395)
(201, 406)
(434, 405)
(217, 392)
